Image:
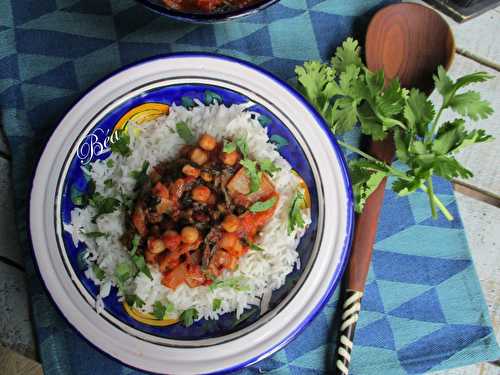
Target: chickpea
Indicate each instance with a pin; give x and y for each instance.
(189, 170)
(231, 223)
(189, 235)
(230, 158)
(201, 194)
(228, 241)
(155, 245)
(207, 142)
(206, 176)
(199, 156)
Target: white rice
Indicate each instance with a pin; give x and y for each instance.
(262, 271)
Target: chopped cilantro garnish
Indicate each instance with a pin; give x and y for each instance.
(78, 197)
(216, 303)
(237, 283)
(263, 206)
(268, 166)
(295, 218)
(141, 265)
(110, 163)
(134, 300)
(95, 234)
(109, 183)
(124, 271)
(189, 316)
(135, 244)
(103, 205)
(159, 310)
(185, 133)
(229, 146)
(242, 146)
(255, 247)
(98, 272)
(122, 143)
(253, 173)
(140, 175)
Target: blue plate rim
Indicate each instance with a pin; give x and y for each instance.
(350, 223)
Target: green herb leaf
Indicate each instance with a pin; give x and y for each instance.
(159, 310)
(229, 146)
(365, 178)
(419, 112)
(295, 219)
(124, 271)
(237, 283)
(98, 272)
(95, 234)
(141, 176)
(263, 206)
(122, 143)
(253, 173)
(189, 316)
(141, 265)
(133, 300)
(78, 197)
(135, 244)
(169, 307)
(216, 303)
(470, 104)
(268, 166)
(110, 163)
(185, 133)
(255, 247)
(346, 55)
(103, 205)
(242, 146)
(109, 183)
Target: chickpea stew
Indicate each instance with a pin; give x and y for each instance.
(196, 215)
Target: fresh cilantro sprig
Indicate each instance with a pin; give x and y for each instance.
(346, 93)
(295, 219)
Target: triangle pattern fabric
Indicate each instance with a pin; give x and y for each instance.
(425, 307)
(63, 77)
(377, 334)
(422, 310)
(407, 331)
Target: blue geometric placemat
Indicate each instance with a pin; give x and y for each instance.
(423, 309)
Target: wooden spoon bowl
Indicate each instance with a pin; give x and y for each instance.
(409, 41)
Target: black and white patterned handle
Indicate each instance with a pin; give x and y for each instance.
(350, 316)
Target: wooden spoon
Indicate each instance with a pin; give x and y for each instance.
(408, 41)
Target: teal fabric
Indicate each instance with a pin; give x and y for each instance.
(423, 309)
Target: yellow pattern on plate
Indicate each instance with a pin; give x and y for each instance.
(303, 185)
(142, 113)
(148, 319)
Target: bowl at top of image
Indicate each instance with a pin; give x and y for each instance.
(207, 11)
(103, 271)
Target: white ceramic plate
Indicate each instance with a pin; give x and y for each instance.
(273, 330)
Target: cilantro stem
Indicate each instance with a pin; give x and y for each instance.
(358, 151)
(430, 193)
(430, 134)
(439, 204)
(394, 171)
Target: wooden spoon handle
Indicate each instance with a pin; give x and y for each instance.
(367, 221)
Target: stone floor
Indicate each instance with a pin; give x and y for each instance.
(478, 50)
